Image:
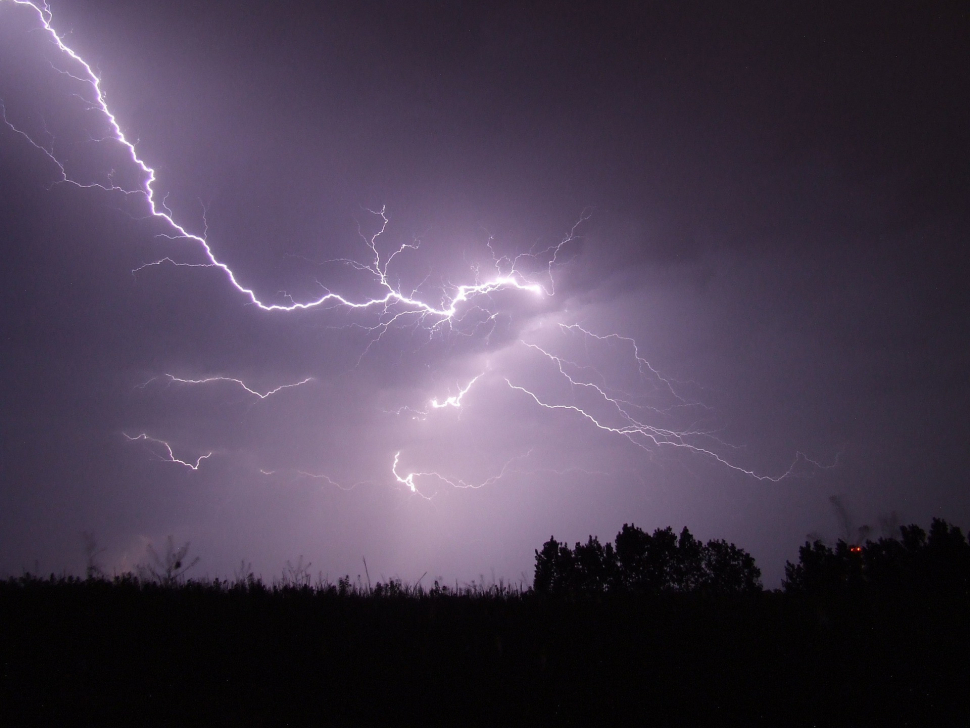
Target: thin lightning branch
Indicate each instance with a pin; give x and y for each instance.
(646, 436)
(170, 261)
(641, 362)
(507, 469)
(455, 401)
(168, 449)
(451, 401)
(415, 414)
(209, 380)
(643, 436)
(618, 404)
(409, 479)
(329, 480)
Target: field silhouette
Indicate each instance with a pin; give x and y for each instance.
(654, 629)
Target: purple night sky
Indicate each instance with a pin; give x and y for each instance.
(771, 202)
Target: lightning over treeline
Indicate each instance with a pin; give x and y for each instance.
(645, 408)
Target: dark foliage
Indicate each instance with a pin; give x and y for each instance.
(915, 563)
(641, 563)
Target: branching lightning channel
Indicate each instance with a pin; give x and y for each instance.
(322, 476)
(455, 400)
(509, 468)
(644, 367)
(168, 450)
(212, 380)
(409, 479)
(642, 434)
(392, 305)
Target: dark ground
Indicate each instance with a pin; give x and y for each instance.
(98, 653)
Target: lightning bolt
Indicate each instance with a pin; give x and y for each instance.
(168, 449)
(408, 480)
(647, 372)
(209, 380)
(506, 470)
(393, 306)
(455, 401)
(329, 480)
(649, 437)
(451, 401)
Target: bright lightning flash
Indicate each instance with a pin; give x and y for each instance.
(624, 416)
(393, 304)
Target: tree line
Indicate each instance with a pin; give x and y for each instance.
(642, 563)
(638, 562)
(912, 561)
(915, 563)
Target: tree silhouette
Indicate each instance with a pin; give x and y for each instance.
(595, 565)
(646, 563)
(916, 562)
(643, 563)
(554, 568)
(729, 569)
(823, 570)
